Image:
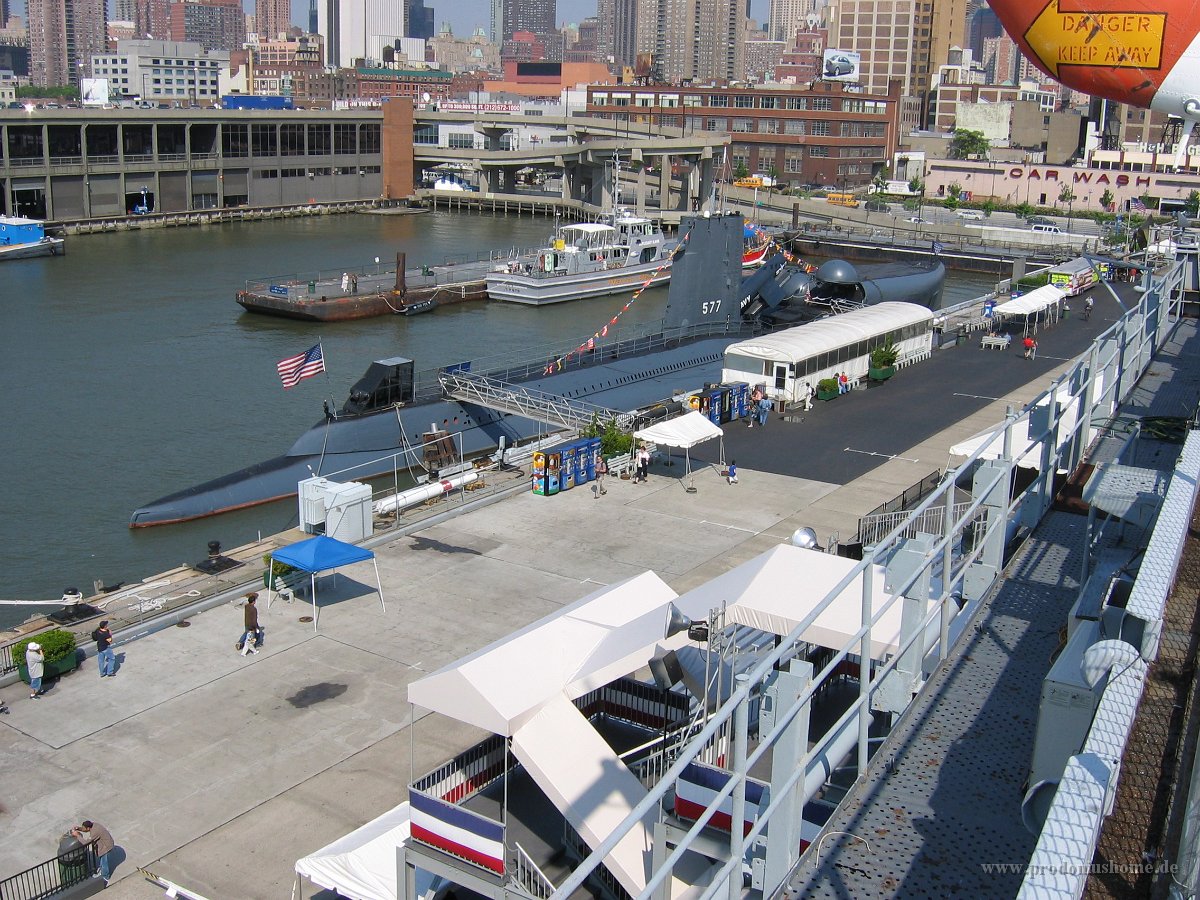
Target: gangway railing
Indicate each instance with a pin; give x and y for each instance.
(541, 406)
(527, 878)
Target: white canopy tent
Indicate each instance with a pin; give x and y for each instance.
(777, 589)
(362, 864)
(684, 431)
(607, 634)
(1023, 448)
(1042, 304)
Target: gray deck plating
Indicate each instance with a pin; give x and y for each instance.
(939, 812)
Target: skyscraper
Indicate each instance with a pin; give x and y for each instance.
(788, 17)
(63, 35)
(274, 17)
(618, 25)
(359, 29)
(700, 40)
(536, 16)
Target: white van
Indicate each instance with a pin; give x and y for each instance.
(1046, 229)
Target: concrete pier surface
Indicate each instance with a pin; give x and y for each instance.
(219, 771)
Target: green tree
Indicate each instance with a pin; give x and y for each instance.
(1192, 205)
(1023, 210)
(1066, 195)
(773, 173)
(740, 171)
(989, 207)
(1106, 199)
(966, 144)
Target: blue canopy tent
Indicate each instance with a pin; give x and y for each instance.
(322, 554)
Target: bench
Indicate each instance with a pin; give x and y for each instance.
(995, 341)
(285, 586)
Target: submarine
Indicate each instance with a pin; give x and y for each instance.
(709, 306)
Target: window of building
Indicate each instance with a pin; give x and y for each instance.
(796, 103)
(822, 103)
(345, 134)
(460, 141)
(818, 151)
(291, 140)
(368, 139)
(794, 126)
(768, 103)
(718, 100)
(818, 128)
(744, 101)
(793, 161)
(263, 140)
(235, 141)
(742, 125)
(318, 140)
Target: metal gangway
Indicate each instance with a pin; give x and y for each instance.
(540, 406)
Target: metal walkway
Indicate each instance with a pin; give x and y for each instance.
(941, 818)
(540, 406)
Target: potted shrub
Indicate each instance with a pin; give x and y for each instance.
(280, 571)
(883, 363)
(57, 644)
(827, 388)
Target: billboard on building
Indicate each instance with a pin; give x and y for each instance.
(841, 65)
(94, 91)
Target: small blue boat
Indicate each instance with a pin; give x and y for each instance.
(23, 238)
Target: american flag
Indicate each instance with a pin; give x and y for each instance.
(294, 368)
(938, 247)
(1137, 205)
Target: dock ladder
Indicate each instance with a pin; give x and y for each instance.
(541, 406)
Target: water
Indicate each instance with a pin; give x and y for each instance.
(130, 373)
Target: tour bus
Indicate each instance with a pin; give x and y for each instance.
(1074, 277)
(841, 199)
(786, 361)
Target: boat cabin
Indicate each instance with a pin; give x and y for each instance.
(386, 383)
(15, 230)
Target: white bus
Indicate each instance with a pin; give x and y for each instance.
(788, 360)
(1074, 277)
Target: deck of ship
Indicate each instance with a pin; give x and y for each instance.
(218, 771)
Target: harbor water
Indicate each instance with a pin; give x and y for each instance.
(130, 373)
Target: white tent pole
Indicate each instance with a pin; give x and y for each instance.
(312, 580)
(378, 583)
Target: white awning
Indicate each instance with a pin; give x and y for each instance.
(362, 864)
(1033, 302)
(795, 344)
(1022, 445)
(777, 589)
(607, 634)
(683, 431)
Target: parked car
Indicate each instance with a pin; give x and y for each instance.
(969, 214)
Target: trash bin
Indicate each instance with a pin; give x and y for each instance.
(962, 338)
(312, 287)
(72, 860)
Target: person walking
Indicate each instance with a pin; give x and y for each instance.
(1033, 349)
(1028, 344)
(345, 282)
(105, 658)
(601, 471)
(756, 396)
(35, 662)
(643, 463)
(101, 840)
(808, 396)
(731, 472)
(1087, 308)
(764, 410)
(251, 632)
(354, 282)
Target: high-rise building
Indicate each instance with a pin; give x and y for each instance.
(419, 20)
(359, 29)
(273, 18)
(536, 16)
(63, 35)
(162, 70)
(616, 39)
(701, 41)
(213, 24)
(788, 18)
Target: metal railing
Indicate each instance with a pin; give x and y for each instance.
(541, 406)
(51, 877)
(1118, 357)
(527, 877)
(872, 528)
